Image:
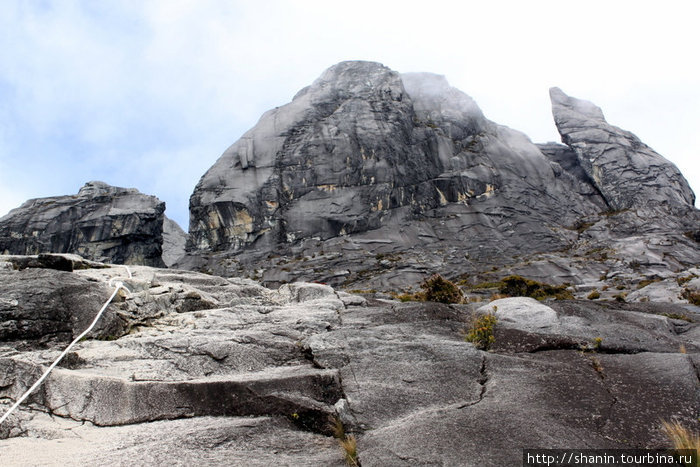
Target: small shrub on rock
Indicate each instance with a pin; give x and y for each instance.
(518, 286)
(481, 332)
(594, 295)
(692, 297)
(683, 280)
(621, 297)
(438, 289)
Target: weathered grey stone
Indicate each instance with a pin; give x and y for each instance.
(101, 223)
(664, 291)
(442, 402)
(524, 313)
(628, 173)
(41, 304)
(249, 441)
(174, 240)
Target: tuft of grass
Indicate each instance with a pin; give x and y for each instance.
(481, 331)
(682, 316)
(594, 295)
(645, 282)
(680, 436)
(362, 291)
(497, 296)
(692, 297)
(581, 226)
(348, 443)
(621, 297)
(597, 342)
(683, 280)
(406, 297)
(337, 428)
(682, 349)
(349, 446)
(486, 285)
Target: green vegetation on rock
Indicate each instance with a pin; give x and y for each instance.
(438, 289)
(518, 286)
(481, 331)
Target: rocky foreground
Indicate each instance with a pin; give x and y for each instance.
(194, 369)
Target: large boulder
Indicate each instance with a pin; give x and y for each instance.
(101, 223)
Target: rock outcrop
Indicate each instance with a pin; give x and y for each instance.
(364, 147)
(374, 179)
(101, 222)
(207, 370)
(628, 173)
(174, 241)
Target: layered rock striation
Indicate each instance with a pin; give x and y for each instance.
(367, 163)
(101, 222)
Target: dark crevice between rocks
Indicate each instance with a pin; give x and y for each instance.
(308, 353)
(482, 380)
(53, 261)
(607, 414)
(695, 367)
(339, 416)
(581, 347)
(552, 346)
(514, 341)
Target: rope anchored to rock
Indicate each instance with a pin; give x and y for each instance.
(117, 285)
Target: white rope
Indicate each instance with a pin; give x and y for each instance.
(117, 286)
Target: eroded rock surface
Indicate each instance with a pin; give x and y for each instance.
(101, 223)
(215, 369)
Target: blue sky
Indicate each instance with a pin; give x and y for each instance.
(148, 94)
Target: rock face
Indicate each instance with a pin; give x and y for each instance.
(628, 173)
(208, 370)
(365, 147)
(174, 240)
(101, 222)
(370, 178)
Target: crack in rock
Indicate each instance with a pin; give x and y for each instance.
(483, 381)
